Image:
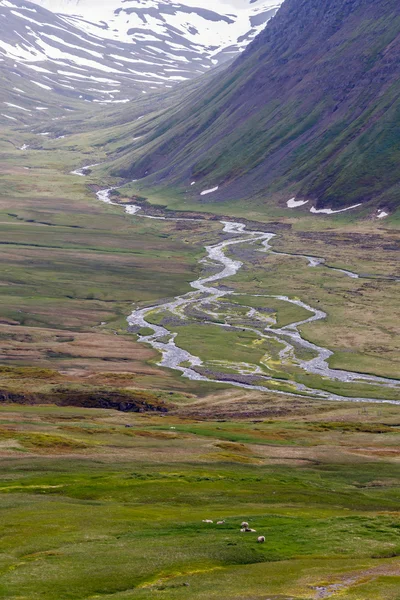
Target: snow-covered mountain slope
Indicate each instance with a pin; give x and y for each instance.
(226, 25)
(112, 51)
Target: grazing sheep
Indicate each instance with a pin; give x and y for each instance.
(244, 525)
(220, 522)
(261, 539)
(207, 521)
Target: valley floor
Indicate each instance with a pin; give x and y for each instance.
(111, 504)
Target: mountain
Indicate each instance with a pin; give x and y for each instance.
(113, 51)
(218, 31)
(310, 110)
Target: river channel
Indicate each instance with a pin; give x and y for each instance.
(206, 297)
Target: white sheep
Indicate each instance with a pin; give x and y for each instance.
(244, 525)
(220, 522)
(207, 521)
(261, 539)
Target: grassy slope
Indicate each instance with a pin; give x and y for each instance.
(323, 124)
(96, 509)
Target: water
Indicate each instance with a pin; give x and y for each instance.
(205, 294)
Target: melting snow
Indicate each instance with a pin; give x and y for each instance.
(293, 203)
(42, 85)
(16, 106)
(16, 52)
(18, 14)
(382, 214)
(329, 211)
(167, 33)
(38, 69)
(209, 191)
(58, 40)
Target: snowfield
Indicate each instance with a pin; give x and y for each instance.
(144, 45)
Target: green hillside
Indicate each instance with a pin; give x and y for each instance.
(310, 109)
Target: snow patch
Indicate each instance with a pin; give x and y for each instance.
(42, 85)
(293, 203)
(329, 211)
(17, 106)
(205, 192)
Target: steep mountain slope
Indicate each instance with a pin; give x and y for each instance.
(311, 108)
(114, 51)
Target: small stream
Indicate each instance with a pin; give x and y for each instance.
(205, 294)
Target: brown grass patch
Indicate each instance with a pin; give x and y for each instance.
(234, 447)
(230, 457)
(157, 435)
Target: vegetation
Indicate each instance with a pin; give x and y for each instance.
(110, 464)
(100, 503)
(72, 267)
(288, 118)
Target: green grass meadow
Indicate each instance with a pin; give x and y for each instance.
(100, 510)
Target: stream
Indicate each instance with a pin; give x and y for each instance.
(206, 297)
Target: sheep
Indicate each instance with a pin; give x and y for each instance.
(244, 525)
(261, 539)
(220, 522)
(207, 521)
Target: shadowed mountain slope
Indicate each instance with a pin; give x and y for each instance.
(310, 109)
